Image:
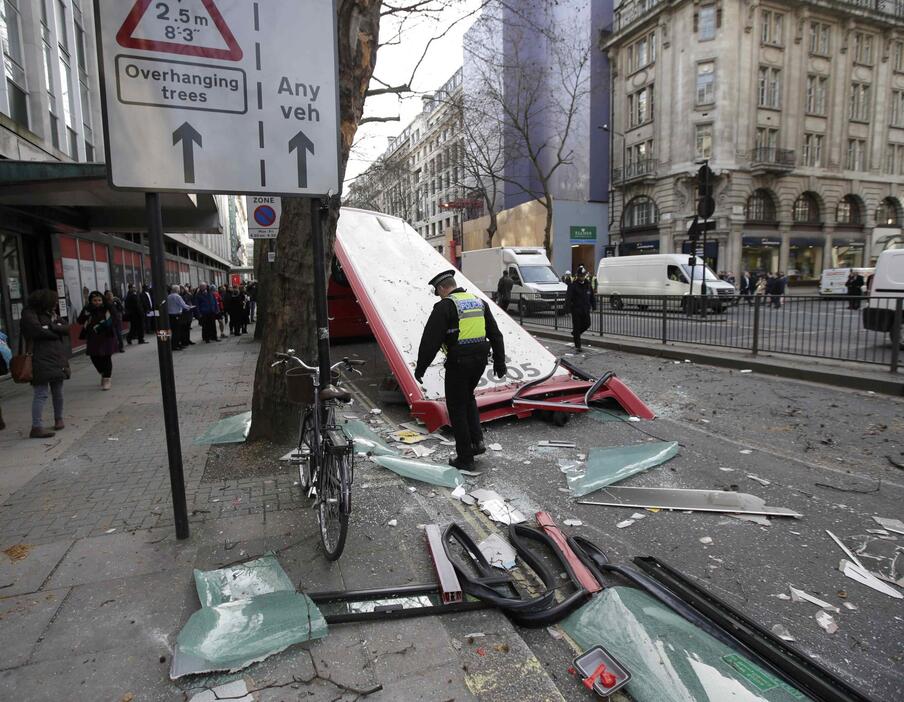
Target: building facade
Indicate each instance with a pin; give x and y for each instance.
(798, 107)
(51, 176)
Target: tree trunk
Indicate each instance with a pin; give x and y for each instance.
(491, 229)
(261, 247)
(288, 292)
(547, 237)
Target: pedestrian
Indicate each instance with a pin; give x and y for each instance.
(761, 284)
(747, 287)
(504, 291)
(235, 305)
(208, 309)
(175, 307)
(252, 301)
(221, 310)
(116, 305)
(188, 315)
(135, 316)
(462, 325)
(246, 303)
(147, 308)
(46, 335)
(579, 300)
(854, 287)
(6, 355)
(567, 278)
(97, 330)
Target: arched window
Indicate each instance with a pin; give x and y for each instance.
(849, 211)
(761, 206)
(641, 212)
(888, 214)
(806, 209)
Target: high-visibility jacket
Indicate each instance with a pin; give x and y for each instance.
(472, 326)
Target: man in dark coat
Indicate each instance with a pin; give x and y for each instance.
(147, 308)
(579, 300)
(854, 287)
(504, 291)
(208, 309)
(463, 326)
(747, 287)
(135, 316)
(47, 338)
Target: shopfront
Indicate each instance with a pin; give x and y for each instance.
(848, 253)
(805, 257)
(12, 286)
(710, 252)
(760, 254)
(638, 248)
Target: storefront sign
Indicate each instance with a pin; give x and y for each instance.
(583, 233)
(849, 244)
(754, 241)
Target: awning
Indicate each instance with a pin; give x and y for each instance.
(77, 196)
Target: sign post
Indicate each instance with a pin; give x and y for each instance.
(218, 96)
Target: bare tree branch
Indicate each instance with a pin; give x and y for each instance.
(365, 120)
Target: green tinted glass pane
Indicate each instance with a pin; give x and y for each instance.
(236, 634)
(231, 430)
(606, 466)
(670, 659)
(366, 439)
(435, 474)
(241, 581)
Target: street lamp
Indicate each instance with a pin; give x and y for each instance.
(624, 164)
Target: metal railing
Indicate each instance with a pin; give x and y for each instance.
(810, 326)
(772, 156)
(634, 169)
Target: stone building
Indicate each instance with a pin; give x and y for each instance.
(798, 108)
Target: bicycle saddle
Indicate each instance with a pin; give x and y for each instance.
(331, 392)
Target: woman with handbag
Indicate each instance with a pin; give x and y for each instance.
(49, 355)
(97, 320)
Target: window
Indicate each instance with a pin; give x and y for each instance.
(897, 108)
(887, 214)
(816, 94)
(642, 52)
(703, 141)
(897, 56)
(859, 107)
(894, 159)
(772, 25)
(813, 150)
(16, 87)
(640, 106)
(848, 211)
(639, 159)
(863, 48)
(806, 209)
(820, 42)
(706, 21)
(81, 52)
(706, 83)
(769, 87)
(766, 142)
(760, 207)
(856, 150)
(675, 273)
(641, 212)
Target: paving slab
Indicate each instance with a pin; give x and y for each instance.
(29, 573)
(437, 683)
(147, 610)
(23, 620)
(115, 556)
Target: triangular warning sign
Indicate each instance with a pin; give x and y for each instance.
(189, 28)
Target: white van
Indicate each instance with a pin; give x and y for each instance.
(832, 281)
(531, 272)
(886, 287)
(660, 274)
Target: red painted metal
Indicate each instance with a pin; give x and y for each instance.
(581, 572)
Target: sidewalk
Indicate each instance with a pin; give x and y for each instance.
(99, 589)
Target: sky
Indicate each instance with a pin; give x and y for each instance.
(395, 62)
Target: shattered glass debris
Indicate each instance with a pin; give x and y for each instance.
(241, 581)
(433, 473)
(610, 465)
(690, 500)
(230, 430)
(366, 440)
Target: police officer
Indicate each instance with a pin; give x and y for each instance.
(463, 327)
(579, 300)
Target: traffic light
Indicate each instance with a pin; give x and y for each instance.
(706, 204)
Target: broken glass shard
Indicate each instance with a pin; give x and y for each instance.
(236, 634)
(688, 500)
(433, 473)
(241, 581)
(670, 659)
(366, 440)
(610, 465)
(229, 430)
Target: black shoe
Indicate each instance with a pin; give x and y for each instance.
(142, 342)
(478, 449)
(461, 464)
(190, 343)
(129, 342)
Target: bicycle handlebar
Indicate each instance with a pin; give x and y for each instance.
(347, 362)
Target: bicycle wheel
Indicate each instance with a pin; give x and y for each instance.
(332, 493)
(308, 460)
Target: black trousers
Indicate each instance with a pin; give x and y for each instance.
(580, 322)
(208, 327)
(136, 329)
(104, 365)
(504, 303)
(462, 376)
(175, 323)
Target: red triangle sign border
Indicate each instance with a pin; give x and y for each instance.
(124, 36)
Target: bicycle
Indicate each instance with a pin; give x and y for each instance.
(324, 454)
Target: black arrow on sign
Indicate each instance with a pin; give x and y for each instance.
(302, 145)
(189, 136)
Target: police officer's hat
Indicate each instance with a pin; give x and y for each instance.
(440, 277)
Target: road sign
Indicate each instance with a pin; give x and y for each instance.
(264, 212)
(225, 96)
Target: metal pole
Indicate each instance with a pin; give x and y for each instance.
(896, 336)
(318, 208)
(756, 323)
(665, 333)
(165, 359)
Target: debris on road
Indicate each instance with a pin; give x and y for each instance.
(392, 522)
(498, 552)
(761, 481)
(689, 500)
(748, 370)
(755, 518)
(624, 524)
(376, 411)
(606, 466)
(801, 596)
(864, 577)
(726, 470)
(895, 525)
(236, 691)
(556, 444)
(746, 452)
(432, 473)
(705, 540)
(827, 622)
(229, 430)
(366, 440)
(782, 632)
(573, 522)
(408, 436)
(420, 451)
(495, 447)
(496, 508)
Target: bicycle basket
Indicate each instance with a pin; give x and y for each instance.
(300, 385)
